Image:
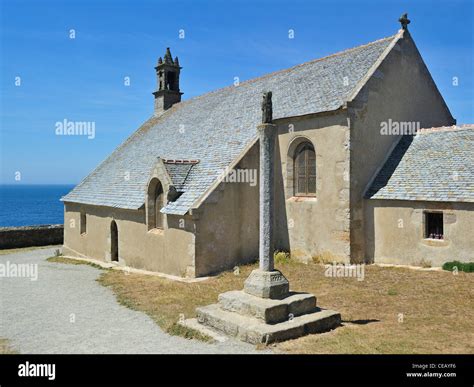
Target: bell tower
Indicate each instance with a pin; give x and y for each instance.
(167, 73)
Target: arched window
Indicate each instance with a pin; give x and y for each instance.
(305, 170)
(155, 204)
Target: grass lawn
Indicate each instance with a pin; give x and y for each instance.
(416, 311)
(393, 310)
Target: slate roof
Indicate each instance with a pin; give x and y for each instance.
(435, 165)
(218, 127)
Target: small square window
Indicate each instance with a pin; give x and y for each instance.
(434, 225)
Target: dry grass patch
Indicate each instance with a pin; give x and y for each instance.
(393, 310)
(5, 348)
(166, 301)
(72, 261)
(23, 249)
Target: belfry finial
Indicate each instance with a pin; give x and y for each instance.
(168, 59)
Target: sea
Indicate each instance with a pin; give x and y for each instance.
(30, 205)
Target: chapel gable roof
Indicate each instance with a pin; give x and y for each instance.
(218, 127)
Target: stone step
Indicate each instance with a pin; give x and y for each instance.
(255, 331)
(193, 323)
(266, 309)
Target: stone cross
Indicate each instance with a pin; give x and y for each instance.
(266, 134)
(266, 282)
(404, 21)
(267, 108)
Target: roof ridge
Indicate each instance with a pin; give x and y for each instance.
(273, 73)
(180, 161)
(451, 128)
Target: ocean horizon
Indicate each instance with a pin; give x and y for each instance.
(32, 204)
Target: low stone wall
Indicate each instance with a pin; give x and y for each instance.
(26, 236)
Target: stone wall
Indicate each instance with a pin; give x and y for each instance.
(401, 90)
(227, 222)
(26, 236)
(395, 232)
(309, 227)
(169, 250)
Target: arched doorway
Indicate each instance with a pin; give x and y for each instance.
(114, 241)
(156, 201)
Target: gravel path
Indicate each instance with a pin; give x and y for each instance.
(66, 311)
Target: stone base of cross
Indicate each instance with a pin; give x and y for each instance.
(267, 284)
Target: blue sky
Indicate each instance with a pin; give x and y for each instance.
(82, 79)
